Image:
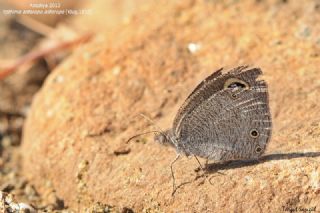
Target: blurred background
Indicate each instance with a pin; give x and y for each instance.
(35, 37)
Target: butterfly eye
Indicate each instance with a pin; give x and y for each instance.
(160, 138)
(254, 133)
(258, 149)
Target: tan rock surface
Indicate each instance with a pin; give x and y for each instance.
(89, 106)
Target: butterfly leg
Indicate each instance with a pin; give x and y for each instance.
(174, 188)
(206, 164)
(202, 169)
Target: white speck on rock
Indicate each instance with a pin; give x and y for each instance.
(59, 79)
(193, 47)
(248, 180)
(116, 70)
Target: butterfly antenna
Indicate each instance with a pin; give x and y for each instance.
(152, 122)
(144, 133)
(160, 131)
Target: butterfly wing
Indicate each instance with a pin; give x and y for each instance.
(209, 86)
(230, 121)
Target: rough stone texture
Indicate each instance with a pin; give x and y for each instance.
(89, 106)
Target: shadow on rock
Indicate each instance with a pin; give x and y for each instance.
(214, 167)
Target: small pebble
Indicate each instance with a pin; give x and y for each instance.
(26, 208)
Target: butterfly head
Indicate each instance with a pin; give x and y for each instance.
(165, 138)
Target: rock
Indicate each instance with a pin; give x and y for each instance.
(75, 126)
(9, 204)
